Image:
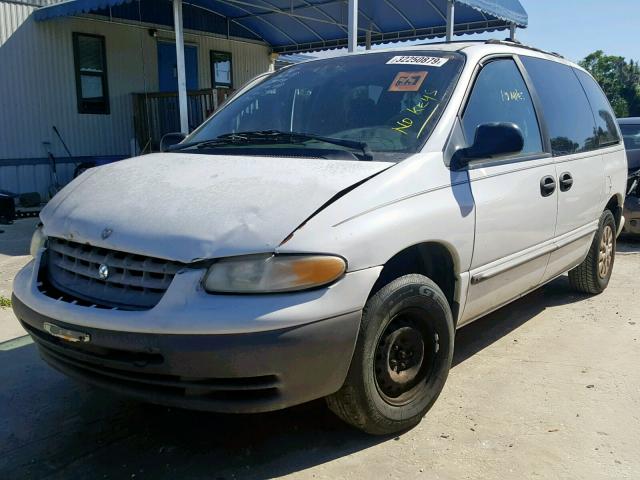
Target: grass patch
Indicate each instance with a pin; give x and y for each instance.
(5, 302)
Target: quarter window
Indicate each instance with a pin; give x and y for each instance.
(500, 95)
(221, 70)
(602, 113)
(566, 108)
(91, 73)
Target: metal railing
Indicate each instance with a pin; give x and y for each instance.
(156, 114)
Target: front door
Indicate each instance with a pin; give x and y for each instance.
(515, 197)
(168, 67)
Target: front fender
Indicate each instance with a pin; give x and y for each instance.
(415, 202)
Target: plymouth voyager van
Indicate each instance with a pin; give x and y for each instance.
(326, 231)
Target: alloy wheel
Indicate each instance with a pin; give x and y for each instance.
(605, 255)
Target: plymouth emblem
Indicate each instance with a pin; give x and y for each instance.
(106, 233)
(103, 272)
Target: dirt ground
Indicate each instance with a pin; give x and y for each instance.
(547, 387)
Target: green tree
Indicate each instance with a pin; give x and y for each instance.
(619, 80)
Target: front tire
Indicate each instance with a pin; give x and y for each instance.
(593, 274)
(401, 360)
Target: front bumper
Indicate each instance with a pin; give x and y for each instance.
(225, 353)
(238, 373)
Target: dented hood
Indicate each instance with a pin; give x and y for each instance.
(187, 207)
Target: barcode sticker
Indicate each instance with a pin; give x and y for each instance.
(418, 60)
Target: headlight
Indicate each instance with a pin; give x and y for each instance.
(273, 273)
(38, 241)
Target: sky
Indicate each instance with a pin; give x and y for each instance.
(573, 28)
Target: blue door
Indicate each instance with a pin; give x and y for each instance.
(168, 70)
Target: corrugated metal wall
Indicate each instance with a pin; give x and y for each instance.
(37, 88)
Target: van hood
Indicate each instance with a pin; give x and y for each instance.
(188, 207)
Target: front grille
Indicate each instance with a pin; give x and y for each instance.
(135, 282)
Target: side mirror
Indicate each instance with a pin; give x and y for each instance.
(171, 139)
(491, 140)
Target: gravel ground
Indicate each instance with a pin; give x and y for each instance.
(547, 387)
(14, 253)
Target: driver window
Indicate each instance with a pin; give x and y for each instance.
(500, 95)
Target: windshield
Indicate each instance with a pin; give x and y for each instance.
(386, 102)
(631, 136)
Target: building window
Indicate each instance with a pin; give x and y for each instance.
(221, 70)
(91, 73)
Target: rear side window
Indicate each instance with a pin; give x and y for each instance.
(500, 95)
(566, 108)
(604, 117)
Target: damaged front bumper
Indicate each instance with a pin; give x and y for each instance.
(224, 353)
(631, 214)
(631, 209)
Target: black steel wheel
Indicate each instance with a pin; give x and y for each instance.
(402, 357)
(405, 356)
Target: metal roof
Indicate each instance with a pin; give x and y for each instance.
(300, 25)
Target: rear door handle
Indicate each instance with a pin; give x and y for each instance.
(547, 185)
(566, 181)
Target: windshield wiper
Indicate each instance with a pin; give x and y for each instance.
(274, 136)
(198, 144)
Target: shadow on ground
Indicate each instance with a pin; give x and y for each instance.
(16, 237)
(50, 426)
(628, 244)
(481, 333)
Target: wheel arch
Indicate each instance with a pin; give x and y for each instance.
(433, 259)
(615, 205)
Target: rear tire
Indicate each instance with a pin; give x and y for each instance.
(593, 274)
(401, 360)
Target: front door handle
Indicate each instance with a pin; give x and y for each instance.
(547, 185)
(566, 181)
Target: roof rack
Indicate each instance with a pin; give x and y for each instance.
(515, 43)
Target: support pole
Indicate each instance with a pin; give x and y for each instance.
(273, 57)
(353, 25)
(512, 31)
(367, 42)
(182, 77)
(450, 19)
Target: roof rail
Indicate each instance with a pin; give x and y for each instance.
(515, 43)
(444, 42)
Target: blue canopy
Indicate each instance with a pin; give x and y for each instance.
(301, 25)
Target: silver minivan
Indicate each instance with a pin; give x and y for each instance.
(328, 229)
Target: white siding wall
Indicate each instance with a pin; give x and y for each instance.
(37, 87)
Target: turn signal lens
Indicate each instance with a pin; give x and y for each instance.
(273, 273)
(38, 241)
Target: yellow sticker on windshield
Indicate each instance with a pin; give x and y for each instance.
(407, 81)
